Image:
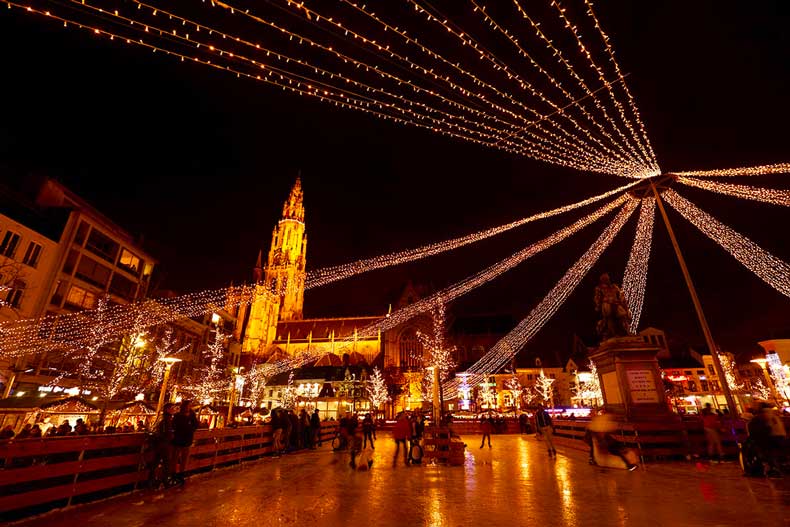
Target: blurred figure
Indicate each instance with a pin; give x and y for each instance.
(367, 430)
(401, 433)
(546, 427)
(603, 442)
(711, 423)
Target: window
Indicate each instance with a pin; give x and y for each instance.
(703, 385)
(687, 372)
(79, 297)
(93, 272)
(711, 369)
(714, 386)
(14, 296)
(123, 287)
(692, 386)
(129, 262)
(102, 245)
(661, 341)
(700, 372)
(60, 291)
(9, 244)
(82, 231)
(410, 349)
(32, 254)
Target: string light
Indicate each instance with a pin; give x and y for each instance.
(500, 66)
(288, 82)
(635, 277)
(768, 267)
(581, 150)
(765, 195)
(504, 350)
(577, 102)
(647, 149)
(761, 170)
(328, 275)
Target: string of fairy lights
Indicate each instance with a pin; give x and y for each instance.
(504, 350)
(448, 82)
(635, 276)
(764, 195)
(760, 170)
(483, 113)
(772, 270)
(328, 275)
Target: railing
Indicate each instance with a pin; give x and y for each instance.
(656, 440)
(43, 474)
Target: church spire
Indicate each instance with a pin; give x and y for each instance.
(293, 208)
(257, 271)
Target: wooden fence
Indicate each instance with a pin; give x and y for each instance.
(43, 474)
(661, 440)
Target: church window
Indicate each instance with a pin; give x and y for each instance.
(410, 349)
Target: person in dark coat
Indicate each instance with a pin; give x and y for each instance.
(315, 425)
(185, 423)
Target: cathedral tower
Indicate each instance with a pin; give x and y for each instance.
(284, 273)
(279, 286)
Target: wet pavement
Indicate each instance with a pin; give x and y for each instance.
(513, 483)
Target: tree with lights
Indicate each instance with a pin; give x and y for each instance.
(377, 390)
(590, 390)
(290, 394)
(208, 381)
(256, 379)
(514, 386)
(439, 352)
(544, 387)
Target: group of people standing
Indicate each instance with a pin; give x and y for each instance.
(292, 432)
(172, 438)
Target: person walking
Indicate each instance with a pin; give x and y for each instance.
(315, 425)
(401, 433)
(486, 426)
(185, 423)
(543, 421)
(711, 423)
(367, 430)
(522, 423)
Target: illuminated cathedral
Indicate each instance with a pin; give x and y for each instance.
(273, 327)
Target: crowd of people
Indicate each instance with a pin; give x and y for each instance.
(293, 432)
(65, 428)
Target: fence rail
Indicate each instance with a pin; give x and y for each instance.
(42, 474)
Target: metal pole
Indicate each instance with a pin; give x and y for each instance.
(698, 307)
(437, 404)
(163, 391)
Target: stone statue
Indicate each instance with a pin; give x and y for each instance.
(612, 305)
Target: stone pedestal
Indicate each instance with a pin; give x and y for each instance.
(630, 379)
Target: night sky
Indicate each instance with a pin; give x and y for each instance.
(200, 162)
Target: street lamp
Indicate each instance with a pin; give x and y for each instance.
(169, 361)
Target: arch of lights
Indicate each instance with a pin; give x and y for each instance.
(567, 107)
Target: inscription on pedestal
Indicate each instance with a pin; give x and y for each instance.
(642, 386)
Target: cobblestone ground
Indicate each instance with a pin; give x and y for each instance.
(513, 483)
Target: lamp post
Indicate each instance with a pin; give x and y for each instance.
(238, 379)
(169, 361)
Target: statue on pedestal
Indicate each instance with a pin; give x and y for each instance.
(612, 305)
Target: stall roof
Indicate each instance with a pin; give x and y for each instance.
(19, 404)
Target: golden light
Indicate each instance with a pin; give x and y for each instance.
(169, 360)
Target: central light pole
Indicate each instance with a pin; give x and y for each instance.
(169, 361)
(703, 322)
